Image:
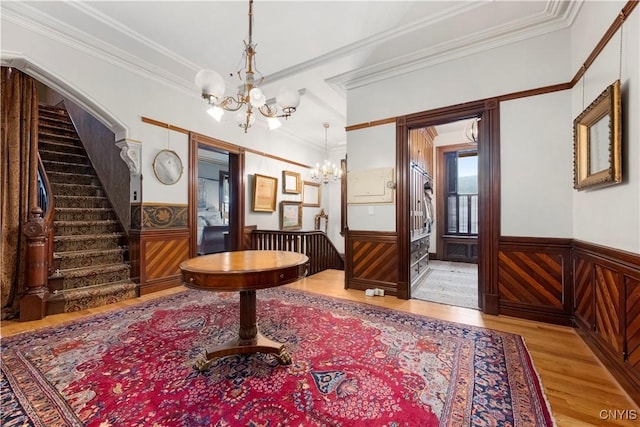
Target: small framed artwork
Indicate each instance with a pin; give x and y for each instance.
(265, 189)
(597, 142)
(311, 194)
(291, 183)
(290, 215)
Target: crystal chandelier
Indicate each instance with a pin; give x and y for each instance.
(329, 172)
(249, 98)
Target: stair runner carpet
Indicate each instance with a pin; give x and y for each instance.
(88, 239)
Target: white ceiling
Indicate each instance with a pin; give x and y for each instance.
(322, 48)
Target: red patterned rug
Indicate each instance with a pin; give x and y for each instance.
(353, 365)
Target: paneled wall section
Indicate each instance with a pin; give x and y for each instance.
(607, 309)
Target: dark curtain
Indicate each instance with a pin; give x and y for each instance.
(19, 160)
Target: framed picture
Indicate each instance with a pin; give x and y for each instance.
(290, 215)
(291, 183)
(311, 194)
(597, 142)
(264, 193)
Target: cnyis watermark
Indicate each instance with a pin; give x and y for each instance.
(618, 414)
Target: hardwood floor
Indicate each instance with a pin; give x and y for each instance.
(580, 390)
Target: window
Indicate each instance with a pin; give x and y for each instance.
(461, 209)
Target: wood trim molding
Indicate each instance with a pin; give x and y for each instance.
(164, 125)
(371, 124)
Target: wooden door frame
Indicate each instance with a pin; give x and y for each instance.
(488, 191)
(440, 178)
(236, 190)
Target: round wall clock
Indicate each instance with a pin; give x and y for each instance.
(167, 166)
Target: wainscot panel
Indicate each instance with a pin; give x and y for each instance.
(371, 261)
(607, 309)
(534, 278)
(156, 256)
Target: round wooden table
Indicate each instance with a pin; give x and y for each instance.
(246, 272)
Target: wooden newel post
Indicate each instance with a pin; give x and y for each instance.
(33, 305)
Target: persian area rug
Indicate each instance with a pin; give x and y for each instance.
(354, 364)
(451, 283)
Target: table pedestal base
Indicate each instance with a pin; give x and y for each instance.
(260, 344)
(249, 339)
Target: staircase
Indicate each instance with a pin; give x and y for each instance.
(89, 243)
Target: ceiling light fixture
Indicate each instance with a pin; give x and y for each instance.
(249, 97)
(329, 172)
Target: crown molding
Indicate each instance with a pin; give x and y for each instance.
(556, 16)
(26, 16)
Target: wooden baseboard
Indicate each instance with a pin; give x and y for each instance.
(160, 284)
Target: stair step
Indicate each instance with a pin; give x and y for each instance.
(55, 123)
(75, 228)
(57, 128)
(74, 278)
(93, 296)
(78, 259)
(87, 242)
(52, 111)
(71, 178)
(66, 167)
(84, 214)
(81, 202)
(64, 157)
(60, 147)
(64, 139)
(77, 190)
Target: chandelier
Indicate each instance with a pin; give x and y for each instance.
(329, 172)
(249, 98)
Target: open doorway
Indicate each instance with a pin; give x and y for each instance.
(488, 129)
(450, 197)
(212, 187)
(216, 208)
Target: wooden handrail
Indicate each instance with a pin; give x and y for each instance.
(49, 211)
(322, 253)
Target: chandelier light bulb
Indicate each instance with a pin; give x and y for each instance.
(288, 99)
(274, 123)
(216, 112)
(210, 83)
(256, 97)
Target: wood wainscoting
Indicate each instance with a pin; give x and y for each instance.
(607, 309)
(534, 278)
(372, 261)
(156, 256)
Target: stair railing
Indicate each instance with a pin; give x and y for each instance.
(38, 231)
(47, 204)
(322, 253)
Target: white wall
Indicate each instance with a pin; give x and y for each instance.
(157, 139)
(536, 166)
(610, 216)
(372, 148)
